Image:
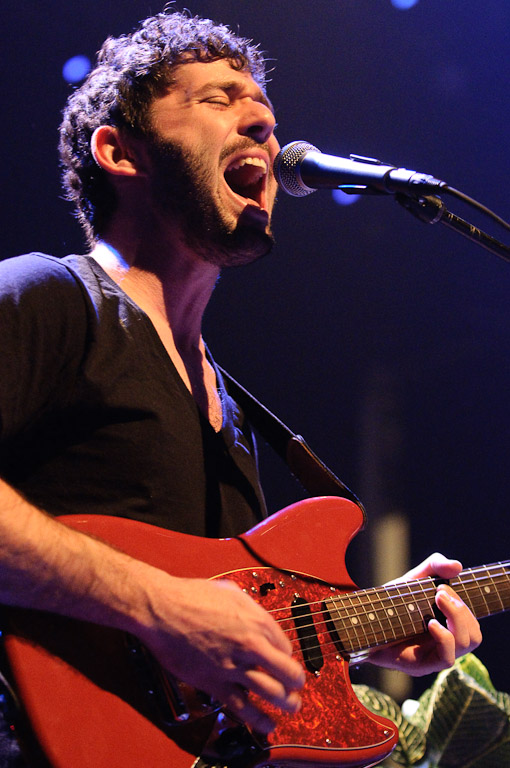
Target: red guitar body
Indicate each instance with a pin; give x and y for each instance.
(82, 701)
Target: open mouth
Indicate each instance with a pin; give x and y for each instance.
(246, 177)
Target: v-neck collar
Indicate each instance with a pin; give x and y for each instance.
(227, 428)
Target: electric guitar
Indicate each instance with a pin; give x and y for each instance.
(91, 697)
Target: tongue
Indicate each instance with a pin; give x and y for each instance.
(240, 179)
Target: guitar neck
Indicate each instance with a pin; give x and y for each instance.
(366, 619)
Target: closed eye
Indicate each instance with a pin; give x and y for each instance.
(222, 101)
(225, 93)
(215, 96)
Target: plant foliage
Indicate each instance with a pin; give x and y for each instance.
(460, 722)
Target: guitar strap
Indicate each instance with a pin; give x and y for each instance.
(315, 477)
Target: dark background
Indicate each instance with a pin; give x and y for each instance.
(383, 340)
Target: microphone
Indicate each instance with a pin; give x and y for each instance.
(300, 168)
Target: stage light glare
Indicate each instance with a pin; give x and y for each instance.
(342, 198)
(76, 68)
(403, 5)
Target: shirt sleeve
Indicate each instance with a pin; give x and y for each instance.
(43, 331)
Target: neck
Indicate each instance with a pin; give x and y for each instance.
(171, 286)
(173, 292)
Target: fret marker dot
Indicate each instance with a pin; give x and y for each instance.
(390, 611)
(355, 620)
(487, 589)
(411, 607)
(371, 616)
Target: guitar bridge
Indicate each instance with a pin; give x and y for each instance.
(173, 703)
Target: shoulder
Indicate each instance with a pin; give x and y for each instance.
(41, 301)
(33, 274)
(43, 335)
(60, 285)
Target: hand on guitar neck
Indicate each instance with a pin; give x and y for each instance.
(439, 648)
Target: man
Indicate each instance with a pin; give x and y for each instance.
(110, 402)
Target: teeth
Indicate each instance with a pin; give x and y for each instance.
(248, 161)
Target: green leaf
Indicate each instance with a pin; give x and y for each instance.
(472, 666)
(465, 719)
(461, 720)
(411, 744)
(497, 757)
(503, 700)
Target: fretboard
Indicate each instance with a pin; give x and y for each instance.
(368, 618)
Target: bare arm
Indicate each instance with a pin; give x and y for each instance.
(209, 634)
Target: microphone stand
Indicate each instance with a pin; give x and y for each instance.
(431, 209)
(300, 168)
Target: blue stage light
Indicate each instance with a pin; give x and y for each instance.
(342, 198)
(76, 69)
(403, 5)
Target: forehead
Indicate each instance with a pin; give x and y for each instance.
(195, 78)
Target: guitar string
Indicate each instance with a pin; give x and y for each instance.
(349, 647)
(469, 584)
(368, 641)
(386, 602)
(371, 617)
(320, 625)
(372, 638)
(383, 595)
(353, 612)
(370, 629)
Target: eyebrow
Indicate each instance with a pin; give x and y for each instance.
(234, 86)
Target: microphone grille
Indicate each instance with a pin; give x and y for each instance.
(286, 168)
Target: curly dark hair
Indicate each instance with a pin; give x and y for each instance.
(131, 71)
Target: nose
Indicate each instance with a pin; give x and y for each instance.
(257, 121)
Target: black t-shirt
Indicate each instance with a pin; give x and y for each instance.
(94, 417)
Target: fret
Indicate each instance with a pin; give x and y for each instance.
(417, 601)
(368, 618)
(503, 584)
(373, 617)
(343, 629)
(477, 595)
(386, 613)
(348, 619)
(355, 618)
(392, 614)
(394, 610)
(486, 590)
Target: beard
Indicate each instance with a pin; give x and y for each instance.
(182, 188)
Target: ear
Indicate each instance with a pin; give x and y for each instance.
(116, 153)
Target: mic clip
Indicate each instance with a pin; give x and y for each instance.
(361, 189)
(370, 160)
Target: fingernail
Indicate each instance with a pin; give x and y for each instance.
(295, 702)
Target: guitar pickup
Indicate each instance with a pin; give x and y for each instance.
(307, 635)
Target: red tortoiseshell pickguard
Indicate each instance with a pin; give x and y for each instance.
(331, 717)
